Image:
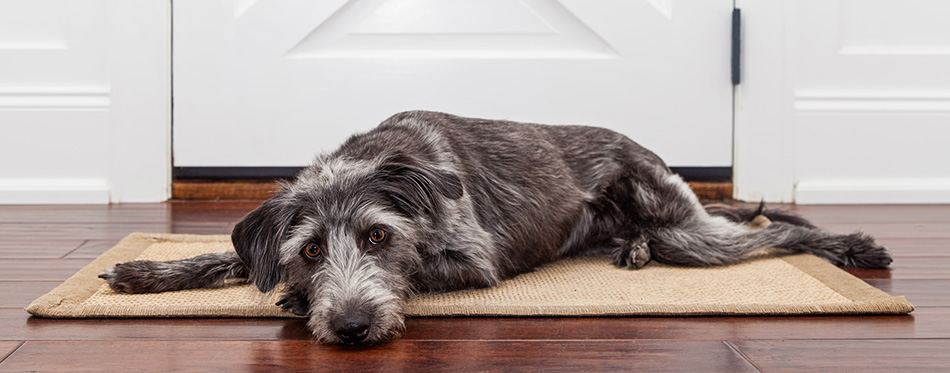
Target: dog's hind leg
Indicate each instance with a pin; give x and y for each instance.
(681, 232)
(701, 243)
(203, 271)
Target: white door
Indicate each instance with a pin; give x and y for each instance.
(84, 101)
(272, 83)
(845, 101)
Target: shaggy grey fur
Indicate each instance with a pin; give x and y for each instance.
(434, 202)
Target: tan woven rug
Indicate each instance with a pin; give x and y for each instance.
(587, 286)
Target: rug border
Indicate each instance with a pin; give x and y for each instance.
(64, 301)
(871, 301)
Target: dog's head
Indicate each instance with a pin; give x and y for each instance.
(345, 237)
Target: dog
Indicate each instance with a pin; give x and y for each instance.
(431, 202)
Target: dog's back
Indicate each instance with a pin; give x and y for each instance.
(536, 191)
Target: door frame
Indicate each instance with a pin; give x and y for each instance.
(140, 54)
(763, 133)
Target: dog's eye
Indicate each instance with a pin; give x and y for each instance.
(377, 236)
(312, 251)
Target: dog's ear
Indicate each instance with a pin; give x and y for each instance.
(258, 237)
(415, 188)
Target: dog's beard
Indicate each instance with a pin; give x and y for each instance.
(355, 285)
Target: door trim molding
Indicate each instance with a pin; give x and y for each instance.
(140, 58)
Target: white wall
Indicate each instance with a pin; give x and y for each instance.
(844, 101)
(84, 101)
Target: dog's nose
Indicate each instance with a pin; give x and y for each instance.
(352, 329)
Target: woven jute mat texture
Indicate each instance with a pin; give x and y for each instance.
(584, 286)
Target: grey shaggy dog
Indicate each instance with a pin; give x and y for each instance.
(434, 202)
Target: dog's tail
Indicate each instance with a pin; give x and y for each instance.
(744, 215)
(200, 272)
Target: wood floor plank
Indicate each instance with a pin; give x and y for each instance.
(191, 211)
(91, 249)
(917, 247)
(892, 230)
(909, 268)
(40, 269)
(922, 293)
(201, 228)
(19, 294)
(37, 248)
(18, 323)
(855, 355)
(925, 322)
(83, 231)
(103, 231)
(211, 211)
(114, 213)
(7, 348)
(416, 356)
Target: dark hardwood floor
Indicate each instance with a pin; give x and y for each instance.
(40, 246)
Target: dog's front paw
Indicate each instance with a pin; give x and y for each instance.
(110, 276)
(631, 254)
(295, 302)
(132, 277)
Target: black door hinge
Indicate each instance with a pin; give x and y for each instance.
(736, 45)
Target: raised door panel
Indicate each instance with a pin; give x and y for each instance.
(871, 101)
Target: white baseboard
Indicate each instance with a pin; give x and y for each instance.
(879, 191)
(53, 191)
